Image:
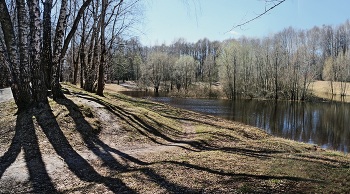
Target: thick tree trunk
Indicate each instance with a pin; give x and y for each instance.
(20, 91)
(23, 48)
(47, 48)
(101, 75)
(38, 81)
(57, 50)
(7, 65)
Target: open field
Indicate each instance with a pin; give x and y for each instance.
(119, 144)
(322, 89)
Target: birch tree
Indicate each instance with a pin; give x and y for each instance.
(228, 67)
(101, 75)
(185, 68)
(19, 73)
(153, 69)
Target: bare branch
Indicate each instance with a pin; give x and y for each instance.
(266, 10)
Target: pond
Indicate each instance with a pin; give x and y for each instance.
(326, 124)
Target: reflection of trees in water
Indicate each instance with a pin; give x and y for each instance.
(326, 124)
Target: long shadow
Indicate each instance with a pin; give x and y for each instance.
(91, 139)
(198, 121)
(343, 164)
(11, 154)
(136, 122)
(264, 177)
(26, 138)
(119, 114)
(248, 152)
(165, 183)
(77, 164)
(152, 103)
(83, 127)
(170, 186)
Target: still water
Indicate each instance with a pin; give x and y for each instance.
(322, 123)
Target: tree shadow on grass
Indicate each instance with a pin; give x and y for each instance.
(76, 163)
(89, 135)
(135, 121)
(139, 124)
(263, 177)
(26, 138)
(103, 151)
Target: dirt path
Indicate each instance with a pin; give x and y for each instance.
(111, 129)
(108, 151)
(5, 94)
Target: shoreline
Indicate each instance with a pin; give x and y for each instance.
(125, 144)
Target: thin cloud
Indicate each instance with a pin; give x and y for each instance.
(235, 33)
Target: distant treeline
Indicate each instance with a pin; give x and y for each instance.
(279, 66)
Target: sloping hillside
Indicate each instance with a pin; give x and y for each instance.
(119, 144)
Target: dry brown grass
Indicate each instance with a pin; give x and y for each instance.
(114, 88)
(159, 149)
(322, 89)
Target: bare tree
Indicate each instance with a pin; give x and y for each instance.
(47, 48)
(228, 62)
(19, 74)
(38, 84)
(185, 68)
(153, 69)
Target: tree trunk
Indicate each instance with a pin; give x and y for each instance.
(57, 50)
(74, 27)
(276, 78)
(47, 48)
(93, 53)
(38, 82)
(23, 49)
(82, 54)
(234, 78)
(76, 68)
(20, 91)
(100, 82)
(82, 62)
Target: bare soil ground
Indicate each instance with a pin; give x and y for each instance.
(119, 144)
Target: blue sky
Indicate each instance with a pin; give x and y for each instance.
(167, 20)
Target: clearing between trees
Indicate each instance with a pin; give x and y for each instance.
(119, 144)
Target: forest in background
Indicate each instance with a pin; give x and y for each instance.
(89, 43)
(278, 66)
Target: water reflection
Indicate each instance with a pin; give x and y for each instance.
(325, 124)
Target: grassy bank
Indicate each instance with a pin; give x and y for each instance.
(91, 144)
(322, 89)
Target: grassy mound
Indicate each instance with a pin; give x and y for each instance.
(121, 144)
